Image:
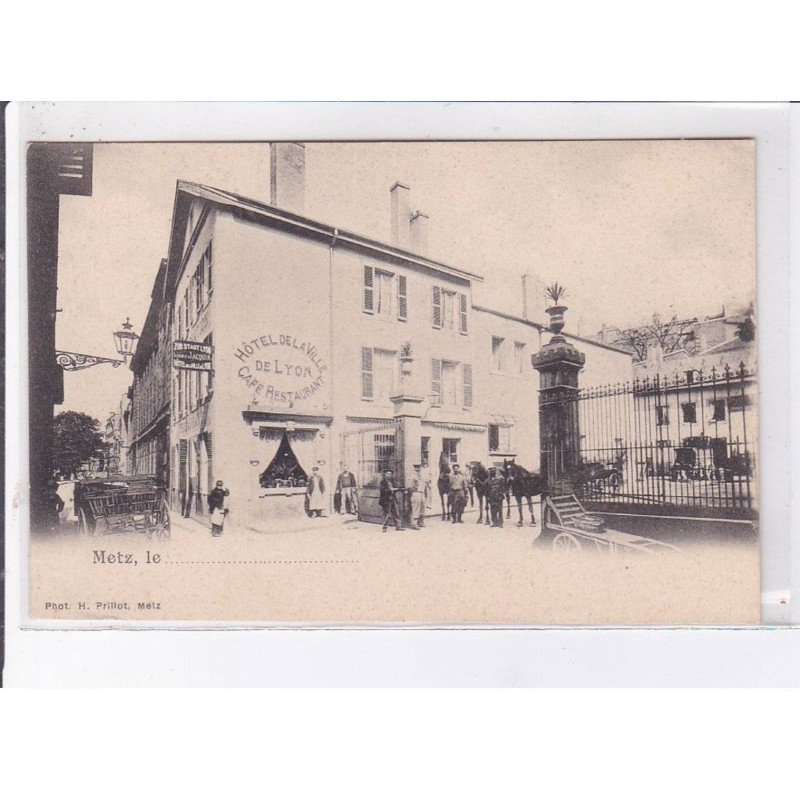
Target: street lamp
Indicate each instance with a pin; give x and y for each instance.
(125, 339)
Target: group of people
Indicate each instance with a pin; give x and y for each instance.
(461, 485)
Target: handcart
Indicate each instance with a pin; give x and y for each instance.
(577, 530)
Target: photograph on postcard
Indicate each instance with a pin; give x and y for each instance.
(422, 383)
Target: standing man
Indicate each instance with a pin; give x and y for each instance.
(315, 491)
(458, 493)
(425, 473)
(346, 487)
(496, 492)
(471, 483)
(216, 506)
(388, 501)
(417, 490)
(187, 505)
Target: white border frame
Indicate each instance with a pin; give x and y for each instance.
(551, 656)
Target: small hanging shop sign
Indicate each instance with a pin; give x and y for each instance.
(192, 355)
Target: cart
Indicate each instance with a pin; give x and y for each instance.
(122, 504)
(576, 530)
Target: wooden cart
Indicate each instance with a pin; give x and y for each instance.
(576, 530)
(122, 504)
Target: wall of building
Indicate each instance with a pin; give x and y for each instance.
(272, 356)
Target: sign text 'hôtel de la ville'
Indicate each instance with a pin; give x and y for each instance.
(281, 368)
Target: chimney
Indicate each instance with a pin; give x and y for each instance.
(401, 215)
(419, 233)
(287, 166)
(533, 299)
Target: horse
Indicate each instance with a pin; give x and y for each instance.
(480, 476)
(522, 484)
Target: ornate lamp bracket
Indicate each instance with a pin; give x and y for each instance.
(74, 361)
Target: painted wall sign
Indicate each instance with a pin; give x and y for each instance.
(281, 368)
(192, 355)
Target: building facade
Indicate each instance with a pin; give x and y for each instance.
(315, 332)
(150, 392)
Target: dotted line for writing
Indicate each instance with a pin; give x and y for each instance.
(331, 561)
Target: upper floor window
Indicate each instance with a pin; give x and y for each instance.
(689, 412)
(499, 438)
(385, 294)
(498, 353)
(519, 357)
(378, 374)
(451, 384)
(662, 415)
(449, 309)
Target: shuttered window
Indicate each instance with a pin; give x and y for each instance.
(366, 373)
(462, 315)
(402, 297)
(467, 385)
(436, 381)
(369, 292)
(437, 307)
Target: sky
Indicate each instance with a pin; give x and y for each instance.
(631, 228)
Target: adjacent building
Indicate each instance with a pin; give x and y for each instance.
(314, 330)
(150, 399)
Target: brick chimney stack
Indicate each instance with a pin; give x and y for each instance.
(401, 215)
(287, 166)
(419, 233)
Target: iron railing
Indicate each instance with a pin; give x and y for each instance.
(686, 440)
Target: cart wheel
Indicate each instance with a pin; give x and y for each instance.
(566, 543)
(86, 526)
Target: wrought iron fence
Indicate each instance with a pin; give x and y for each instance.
(368, 452)
(685, 440)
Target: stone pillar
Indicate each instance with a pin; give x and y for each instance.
(558, 364)
(408, 418)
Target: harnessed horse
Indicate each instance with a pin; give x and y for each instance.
(522, 484)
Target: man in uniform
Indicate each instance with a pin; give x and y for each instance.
(496, 492)
(458, 493)
(417, 490)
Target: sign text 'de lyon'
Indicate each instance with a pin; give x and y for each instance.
(192, 355)
(281, 368)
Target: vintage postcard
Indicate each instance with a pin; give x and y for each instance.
(393, 382)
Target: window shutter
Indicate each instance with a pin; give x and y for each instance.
(436, 381)
(366, 373)
(369, 290)
(437, 307)
(402, 297)
(467, 385)
(462, 317)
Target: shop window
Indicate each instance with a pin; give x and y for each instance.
(284, 470)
